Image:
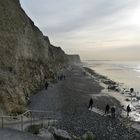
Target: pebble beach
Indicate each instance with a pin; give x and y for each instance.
(68, 99)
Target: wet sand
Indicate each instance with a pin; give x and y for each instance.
(68, 99)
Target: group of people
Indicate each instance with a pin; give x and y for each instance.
(61, 77)
(108, 110)
(113, 110)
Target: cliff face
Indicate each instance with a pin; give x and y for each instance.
(27, 59)
(73, 58)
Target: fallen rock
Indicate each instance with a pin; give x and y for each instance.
(61, 135)
(127, 99)
(88, 136)
(75, 138)
(134, 99)
(108, 82)
(51, 129)
(118, 89)
(114, 87)
(46, 134)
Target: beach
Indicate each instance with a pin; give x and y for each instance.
(120, 77)
(69, 99)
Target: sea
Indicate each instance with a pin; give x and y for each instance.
(126, 73)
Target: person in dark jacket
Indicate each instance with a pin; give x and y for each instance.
(107, 109)
(128, 110)
(46, 85)
(113, 112)
(90, 103)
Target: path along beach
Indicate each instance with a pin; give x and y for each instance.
(69, 98)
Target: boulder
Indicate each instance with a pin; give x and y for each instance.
(89, 136)
(46, 134)
(108, 82)
(114, 87)
(51, 129)
(61, 135)
(76, 138)
(127, 99)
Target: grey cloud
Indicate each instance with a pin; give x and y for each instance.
(68, 15)
(84, 22)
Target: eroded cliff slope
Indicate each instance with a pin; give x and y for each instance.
(27, 59)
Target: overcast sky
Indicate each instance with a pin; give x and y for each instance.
(95, 29)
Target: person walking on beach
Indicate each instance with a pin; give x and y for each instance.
(46, 85)
(61, 77)
(64, 77)
(113, 112)
(107, 109)
(128, 110)
(84, 73)
(58, 77)
(131, 91)
(90, 103)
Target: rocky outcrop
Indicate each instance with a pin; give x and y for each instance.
(12, 134)
(61, 135)
(27, 59)
(74, 58)
(46, 134)
(52, 133)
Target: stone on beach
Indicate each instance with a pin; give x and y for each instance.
(61, 134)
(46, 134)
(108, 82)
(127, 99)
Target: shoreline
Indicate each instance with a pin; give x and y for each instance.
(121, 94)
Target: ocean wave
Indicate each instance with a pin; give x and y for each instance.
(121, 71)
(137, 70)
